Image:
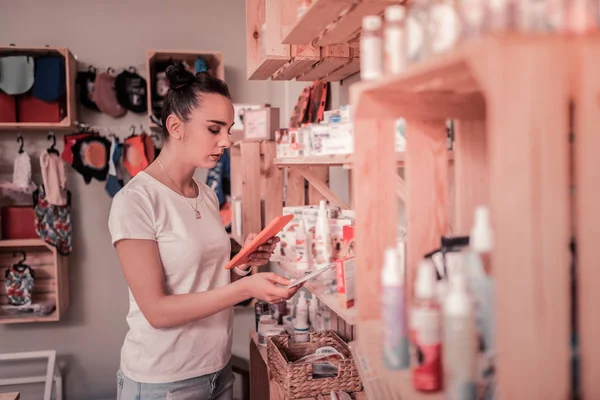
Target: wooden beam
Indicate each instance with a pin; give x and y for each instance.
(374, 174)
(251, 207)
(587, 213)
(294, 189)
(471, 172)
(273, 179)
(322, 187)
(322, 174)
(426, 174)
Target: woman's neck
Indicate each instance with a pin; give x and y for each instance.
(174, 171)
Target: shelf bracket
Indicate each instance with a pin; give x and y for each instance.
(322, 187)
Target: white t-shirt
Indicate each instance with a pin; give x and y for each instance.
(193, 253)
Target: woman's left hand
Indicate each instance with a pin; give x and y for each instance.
(262, 255)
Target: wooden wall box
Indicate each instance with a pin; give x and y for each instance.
(51, 279)
(261, 124)
(64, 115)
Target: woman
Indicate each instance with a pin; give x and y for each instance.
(173, 248)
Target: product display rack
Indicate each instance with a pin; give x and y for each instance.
(51, 277)
(67, 124)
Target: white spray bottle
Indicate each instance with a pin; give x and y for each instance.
(396, 354)
(322, 237)
(302, 248)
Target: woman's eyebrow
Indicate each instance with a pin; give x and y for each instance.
(216, 121)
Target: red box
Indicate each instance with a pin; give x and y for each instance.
(8, 108)
(18, 222)
(31, 109)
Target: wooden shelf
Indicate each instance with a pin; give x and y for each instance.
(67, 124)
(214, 59)
(379, 382)
(323, 23)
(333, 160)
(262, 349)
(350, 315)
(51, 279)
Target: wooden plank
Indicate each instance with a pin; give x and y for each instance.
(273, 178)
(352, 67)
(331, 59)
(351, 189)
(322, 174)
(303, 59)
(322, 187)
(10, 396)
(71, 91)
(63, 291)
(251, 202)
(471, 172)
(376, 211)
(25, 243)
(426, 174)
(587, 214)
(529, 192)
(315, 20)
(294, 193)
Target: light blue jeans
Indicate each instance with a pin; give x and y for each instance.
(217, 386)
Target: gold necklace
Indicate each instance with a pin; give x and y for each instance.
(195, 209)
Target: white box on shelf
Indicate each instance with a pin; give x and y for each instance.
(282, 143)
(341, 139)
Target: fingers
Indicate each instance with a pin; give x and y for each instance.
(281, 294)
(273, 277)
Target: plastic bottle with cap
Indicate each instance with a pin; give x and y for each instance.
(460, 345)
(477, 266)
(426, 331)
(394, 41)
(371, 48)
(301, 325)
(322, 237)
(395, 348)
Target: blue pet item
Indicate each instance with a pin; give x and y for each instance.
(49, 84)
(200, 65)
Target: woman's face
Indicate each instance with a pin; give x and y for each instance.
(206, 134)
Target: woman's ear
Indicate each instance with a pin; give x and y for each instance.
(175, 127)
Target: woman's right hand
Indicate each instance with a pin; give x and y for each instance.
(262, 286)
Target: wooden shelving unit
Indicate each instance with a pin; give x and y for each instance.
(70, 101)
(51, 278)
(335, 160)
(214, 59)
(350, 315)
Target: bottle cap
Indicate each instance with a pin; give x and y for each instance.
(371, 22)
(265, 318)
(394, 13)
(482, 235)
(425, 282)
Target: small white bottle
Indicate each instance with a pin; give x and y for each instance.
(302, 248)
(265, 323)
(322, 238)
(393, 33)
(301, 326)
(395, 348)
(371, 48)
(460, 340)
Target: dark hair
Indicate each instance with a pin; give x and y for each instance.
(185, 90)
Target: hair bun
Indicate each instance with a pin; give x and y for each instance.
(179, 76)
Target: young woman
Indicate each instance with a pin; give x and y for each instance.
(173, 248)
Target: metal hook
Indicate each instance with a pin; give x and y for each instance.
(22, 142)
(23, 254)
(132, 130)
(110, 70)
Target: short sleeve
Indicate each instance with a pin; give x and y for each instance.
(131, 217)
(212, 196)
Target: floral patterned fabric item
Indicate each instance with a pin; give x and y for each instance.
(19, 284)
(53, 223)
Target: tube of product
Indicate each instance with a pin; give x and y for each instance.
(322, 237)
(302, 247)
(396, 354)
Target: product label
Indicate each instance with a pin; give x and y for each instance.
(427, 350)
(301, 255)
(322, 251)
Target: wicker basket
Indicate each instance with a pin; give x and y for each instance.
(296, 380)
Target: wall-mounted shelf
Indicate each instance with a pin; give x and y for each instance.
(214, 59)
(333, 160)
(51, 278)
(328, 22)
(329, 299)
(68, 104)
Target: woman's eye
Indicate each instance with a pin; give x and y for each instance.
(216, 131)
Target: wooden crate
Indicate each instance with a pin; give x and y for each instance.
(51, 277)
(68, 122)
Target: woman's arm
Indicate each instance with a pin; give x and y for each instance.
(143, 272)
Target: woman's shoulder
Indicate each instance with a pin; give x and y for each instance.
(138, 191)
(209, 193)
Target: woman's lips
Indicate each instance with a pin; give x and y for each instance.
(215, 157)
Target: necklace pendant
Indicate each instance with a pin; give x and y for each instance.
(198, 215)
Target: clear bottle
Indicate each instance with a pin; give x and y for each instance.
(302, 248)
(371, 48)
(426, 332)
(393, 314)
(472, 15)
(418, 45)
(460, 339)
(394, 32)
(322, 238)
(444, 25)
